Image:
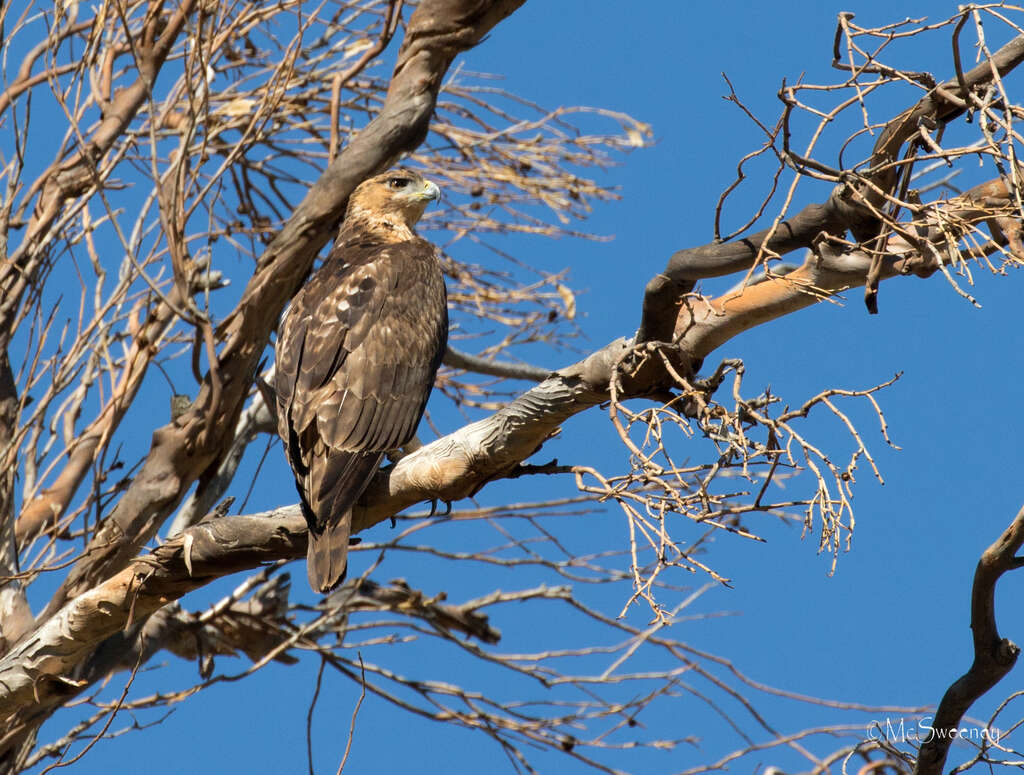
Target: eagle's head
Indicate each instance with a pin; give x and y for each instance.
(391, 203)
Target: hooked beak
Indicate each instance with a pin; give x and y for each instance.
(430, 191)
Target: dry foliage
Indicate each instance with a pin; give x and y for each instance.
(170, 173)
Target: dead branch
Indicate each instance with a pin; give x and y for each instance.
(994, 656)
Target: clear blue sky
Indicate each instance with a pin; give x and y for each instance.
(891, 626)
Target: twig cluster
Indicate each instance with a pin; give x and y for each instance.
(202, 159)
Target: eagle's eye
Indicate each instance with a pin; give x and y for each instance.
(397, 184)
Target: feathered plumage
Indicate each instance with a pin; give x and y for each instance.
(357, 353)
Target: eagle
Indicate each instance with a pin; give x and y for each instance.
(357, 353)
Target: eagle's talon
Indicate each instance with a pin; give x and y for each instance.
(433, 508)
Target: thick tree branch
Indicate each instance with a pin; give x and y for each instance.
(705, 324)
(45, 667)
(942, 104)
(664, 294)
(99, 631)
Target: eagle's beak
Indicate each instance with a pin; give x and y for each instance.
(430, 191)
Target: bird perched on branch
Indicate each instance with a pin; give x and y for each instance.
(357, 353)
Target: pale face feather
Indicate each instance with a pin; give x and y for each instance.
(389, 205)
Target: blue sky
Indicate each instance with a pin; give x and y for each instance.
(891, 625)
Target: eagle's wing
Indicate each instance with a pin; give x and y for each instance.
(356, 360)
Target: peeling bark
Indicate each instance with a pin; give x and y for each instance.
(100, 631)
(15, 616)
(43, 670)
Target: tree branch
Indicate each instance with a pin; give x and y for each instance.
(994, 656)
(843, 211)
(44, 669)
(67, 179)
(467, 362)
(98, 631)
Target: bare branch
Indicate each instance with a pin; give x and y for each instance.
(994, 656)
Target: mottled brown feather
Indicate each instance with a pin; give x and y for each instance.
(357, 353)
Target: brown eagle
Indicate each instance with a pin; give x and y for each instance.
(357, 353)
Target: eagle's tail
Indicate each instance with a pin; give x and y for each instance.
(327, 556)
(328, 490)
